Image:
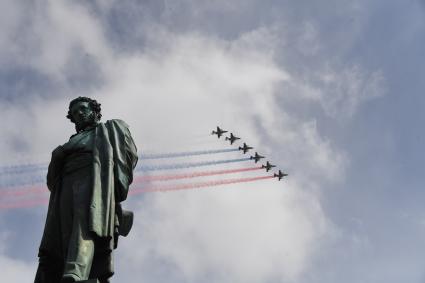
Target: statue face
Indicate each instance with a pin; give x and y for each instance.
(82, 114)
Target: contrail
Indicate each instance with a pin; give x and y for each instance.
(24, 203)
(44, 201)
(139, 179)
(23, 191)
(17, 169)
(192, 175)
(197, 185)
(37, 180)
(188, 165)
(22, 181)
(185, 153)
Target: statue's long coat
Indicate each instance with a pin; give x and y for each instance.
(114, 158)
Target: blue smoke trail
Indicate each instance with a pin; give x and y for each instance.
(22, 181)
(187, 153)
(16, 169)
(12, 181)
(24, 168)
(189, 164)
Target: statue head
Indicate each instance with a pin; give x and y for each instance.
(84, 112)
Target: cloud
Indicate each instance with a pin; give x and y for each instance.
(341, 91)
(189, 85)
(251, 233)
(14, 270)
(177, 86)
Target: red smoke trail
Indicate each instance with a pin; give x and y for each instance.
(23, 191)
(197, 185)
(24, 203)
(193, 175)
(17, 192)
(45, 201)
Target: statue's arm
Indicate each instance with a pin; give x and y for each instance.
(55, 167)
(125, 157)
(131, 159)
(131, 152)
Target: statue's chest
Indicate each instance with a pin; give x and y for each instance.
(81, 142)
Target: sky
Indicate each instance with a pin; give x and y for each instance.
(330, 91)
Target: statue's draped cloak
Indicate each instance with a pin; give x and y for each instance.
(114, 159)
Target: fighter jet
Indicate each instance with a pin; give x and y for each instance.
(232, 138)
(256, 157)
(245, 148)
(219, 132)
(280, 175)
(268, 166)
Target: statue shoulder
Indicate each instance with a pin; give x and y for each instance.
(117, 123)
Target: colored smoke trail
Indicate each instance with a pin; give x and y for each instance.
(187, 153)
(197, 185)
(24, 204)
(193, 174)
(43, 189)
(44, 201)
(188, 165)
(17, 169)
(22, 181)
(36, 180)
(23, 191)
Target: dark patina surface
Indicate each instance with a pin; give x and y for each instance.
(88, 178)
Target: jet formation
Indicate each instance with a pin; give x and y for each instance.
(245, 148)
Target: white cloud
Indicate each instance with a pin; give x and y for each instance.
(339, 90)
(344, 91)
(183, 85)
(247, 233)
(60, 28)
(193, 83)
(14, 270)
(10, 20)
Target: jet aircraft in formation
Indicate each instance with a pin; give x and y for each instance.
(256, 157)
(280, 175)
(268, 166)
(232, 138)
(219, 132)
(245, 148)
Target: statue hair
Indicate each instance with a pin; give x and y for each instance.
(94, 105)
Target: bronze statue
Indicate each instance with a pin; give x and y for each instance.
(88, 178)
